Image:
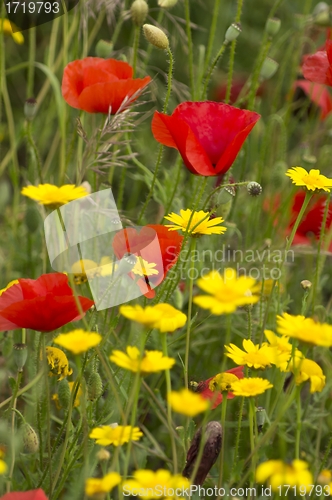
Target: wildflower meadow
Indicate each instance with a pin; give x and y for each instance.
(166, 249)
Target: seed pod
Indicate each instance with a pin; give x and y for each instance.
(20, 355)
(30, 108)
(104, 49)
(212, 447)
(272, 26)
(30, 439)
(254, 189)
(268, 69)
(64, 393)
(156, 36)
(233, 32)
(95, 386)
(139, 10)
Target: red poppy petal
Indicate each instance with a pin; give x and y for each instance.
(44, 313)
(25, 495)
(160, 126)
(315, 68)
(318, 94)
(102, 96)
(10, 296)
(329, 50)
(232, 150)
(120, 69)
(55, 283)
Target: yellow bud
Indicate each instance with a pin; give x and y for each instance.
(156, 36)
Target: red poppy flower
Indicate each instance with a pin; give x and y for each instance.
(208, 135)
(155, 244)
(311, 223)
(25, 495)
(318, 94)
(44, 304)
(318, 67)
(98, 85)
(205, 391)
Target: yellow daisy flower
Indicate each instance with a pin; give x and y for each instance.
(222, 382)
(227, 292)
(95, 486)
(7, 27)
(78, 341)
(144, 268)
(115, 434)
(187, 402)
(3, 467)
(58, 362)
(253, 355)
(276, 473)
(48, 194)
(306, 369)
(151, 362)
(162, 316)
(305, 329)
(248, 387)
(149, 484)
(11, 283)
(200, 222)
(312, 180)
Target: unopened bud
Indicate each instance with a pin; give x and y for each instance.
(103, 455)
(64, 393)
(126, 264)
(178, 298)
(260, 418)
(30, 439)
(30, 108)
(233, 32)
(20, 355)
(167, 4)
(254, 189)
(306, 284)
(322, 15)
(95, 386)
(268, 69)
(272, 26)
(104, 49)
(156, 36)
(139, 10)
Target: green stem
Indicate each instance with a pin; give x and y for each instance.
(232, 55)
(298, 422)
(211, 69)
(169, 409)
(190, 304)
(237, 438)
(137, 31)
(212, 33)
(305, 203)
(223, 425)
(34, 151)
(252, 440)
(13, 432)
(32, 57)
(190, 49)
(136, 392)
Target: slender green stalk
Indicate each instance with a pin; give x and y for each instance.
(211, 69)
(232, 54)
(13, 431)
(133, 409)
(48, 418)
(161, 147)
(212, 30)
(223, 425)
(298, 422)
(190, 304)
(169, 409)
(190, 49)
(252, 439)
(237, 438)
(137, 32)
(32, 57)
(34, 152)
(305, 204)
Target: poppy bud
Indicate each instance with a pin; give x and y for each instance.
(64, 393)
(156, 36)
(233, 32)
(272, 26)
(103, 454)
(268, 69)
(95, 386)
(104, 49)
(254, 189)
(139, 10)
(30, 439)
(178, 299)
(20, 355)
(306, 284)
(167, 4)
(30, 108)
(32, 219)
(126, 264)
(322, 15)
(260, 418)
